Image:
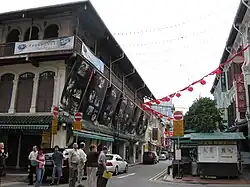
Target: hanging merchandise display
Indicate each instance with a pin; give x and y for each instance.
(147, 105)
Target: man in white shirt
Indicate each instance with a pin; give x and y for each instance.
(83, 158)
(74, 161)
(33, 164)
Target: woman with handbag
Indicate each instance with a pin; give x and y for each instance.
(40, 168)
(101, 180)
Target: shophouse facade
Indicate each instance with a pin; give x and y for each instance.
(64, 56)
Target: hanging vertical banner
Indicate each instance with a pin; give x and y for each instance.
(155, 134)
(76, 86)
(119, 114)
(241, 93)
(128, 115)
(54, 126)
(134, 124)
(94, 97)
(111, 101)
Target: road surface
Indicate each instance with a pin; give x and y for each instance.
(138, 176)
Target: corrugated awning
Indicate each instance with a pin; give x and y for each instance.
(93, 135)
(25, 122)
(217, 136)
(22, 127)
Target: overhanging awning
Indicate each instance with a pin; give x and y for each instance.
(93, 135)
(24, 127)
(13, 122)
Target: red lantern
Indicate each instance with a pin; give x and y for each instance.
(217, 71)
(157, 102)
(165, 99)
(203, 82)
(148, 103)
(172, 95)
(178, 95)
(161, 116)
(190, 89)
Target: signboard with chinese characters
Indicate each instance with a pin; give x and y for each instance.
(207, 154)
(241, 93)
(227, 154)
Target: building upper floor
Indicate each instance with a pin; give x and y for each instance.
(231, 87)
(62, 29)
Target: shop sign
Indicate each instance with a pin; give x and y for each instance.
(207, 154)
(218, 154)
(241, 93)
(228, 154)
(35, 46)
(46, 137)
(87, 53)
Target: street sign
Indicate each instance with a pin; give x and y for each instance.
(78, 116)
(78, 121)
(178, 128)
(178, 115)
(55, 111)
(54, 126)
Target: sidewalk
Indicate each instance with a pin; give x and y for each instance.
(134, 164)
(197, 180)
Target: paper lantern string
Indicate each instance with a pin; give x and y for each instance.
(147, 105)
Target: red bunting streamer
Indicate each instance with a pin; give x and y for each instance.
(147, 106)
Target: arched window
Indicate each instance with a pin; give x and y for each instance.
(45, 92)
(51, 31)
(6, 86)
(24, 92)
(13, 36)
(34, 34)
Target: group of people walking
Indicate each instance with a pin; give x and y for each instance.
(93, 164)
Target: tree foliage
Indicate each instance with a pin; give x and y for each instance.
(203, 116)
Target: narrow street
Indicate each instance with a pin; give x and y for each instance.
(138, 176)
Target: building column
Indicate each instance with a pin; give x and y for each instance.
(12, 108)
(34, 94)
(134, 153)
(61, 82)
(111, 147)
(55, 93)
(19, 151)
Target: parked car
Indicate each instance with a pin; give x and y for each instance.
(157, 157)
(164, 155)
(150, 157)
(116, 164)
(49, 164)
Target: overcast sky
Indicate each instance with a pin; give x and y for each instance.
(171, 43)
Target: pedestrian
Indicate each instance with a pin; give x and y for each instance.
(57, 158)
(83, 158)
(92, 165)
(32, 165)
(74, 161)
(3, 156)
(40, 168)
(101, 181)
